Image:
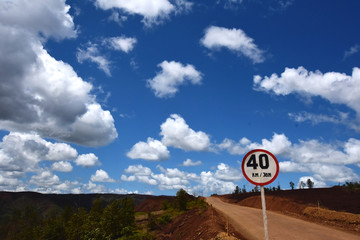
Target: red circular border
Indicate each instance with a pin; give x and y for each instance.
(265, 151)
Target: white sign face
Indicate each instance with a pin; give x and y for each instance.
(260, 167)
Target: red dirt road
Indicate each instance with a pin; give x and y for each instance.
(249, 222)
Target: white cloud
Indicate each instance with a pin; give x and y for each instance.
(37, 92)
(95, 188)
(317, 183)
(235, 148)
(138, 170)
(170, 178)
(336, 87)
(176, 132)
(353, 50)
(233, 39)
(21, 152)
(152, 150)
(319, 118)
(91, 53)
(153, 11)
(172, 75)
(125, 44)
(45, 179)
(62, 166)
(189, 163)
(327, 162)
(209, 184)
(279, 144)
(101, 176)
(226, 173)
(31, 14)
(220, 181)
(115, 16)
(87, 160)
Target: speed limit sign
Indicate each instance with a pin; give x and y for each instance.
(260, 167)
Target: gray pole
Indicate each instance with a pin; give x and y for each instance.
(264, 212)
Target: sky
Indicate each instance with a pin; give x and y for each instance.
(148, 97)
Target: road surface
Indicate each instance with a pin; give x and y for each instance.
(249, 222)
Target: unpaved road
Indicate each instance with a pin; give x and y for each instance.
(249, 222)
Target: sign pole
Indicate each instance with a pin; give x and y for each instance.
(264, 212)
(260, 167)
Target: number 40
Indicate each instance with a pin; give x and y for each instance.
(263, 161)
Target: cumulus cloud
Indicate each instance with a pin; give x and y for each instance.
(101, 176)
(45, 179)
(58, 24)
(21, 152)
(125, 44)
(226, 173)
(172, 75)
(220, 181)
(37, 92)
(335, 87)
(170, 178)
(152, 150)
(234, 39)
(327, 162)
(279, 144)
(152, 11)
(24, 153)
(209, 184)
(176, 132)
(87, 160)
(317, 183)
(189, 163)
(62, 166)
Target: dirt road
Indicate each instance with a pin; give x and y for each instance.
(249, 222)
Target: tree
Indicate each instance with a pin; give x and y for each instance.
(302, 184)
(181, 199)
(127, 212)
(292, 184)
(111, 220)
(310, 183)
(237, 190)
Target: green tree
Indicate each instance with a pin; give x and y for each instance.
(75, 227)
(182, 199)
(127, 212)
(111, 220)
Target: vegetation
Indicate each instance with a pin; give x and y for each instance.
(292, 184)
(310, 183)
(115, 221)
(352, 186)
(105, 220)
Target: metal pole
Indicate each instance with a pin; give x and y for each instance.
(264, 212)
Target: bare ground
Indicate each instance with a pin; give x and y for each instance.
(249, 222)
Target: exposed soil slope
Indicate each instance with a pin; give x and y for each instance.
(328, 206)
(250, 222)
(199, 225)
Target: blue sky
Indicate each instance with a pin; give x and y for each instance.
(153, 96)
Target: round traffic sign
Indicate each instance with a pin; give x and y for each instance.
(260, 167)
